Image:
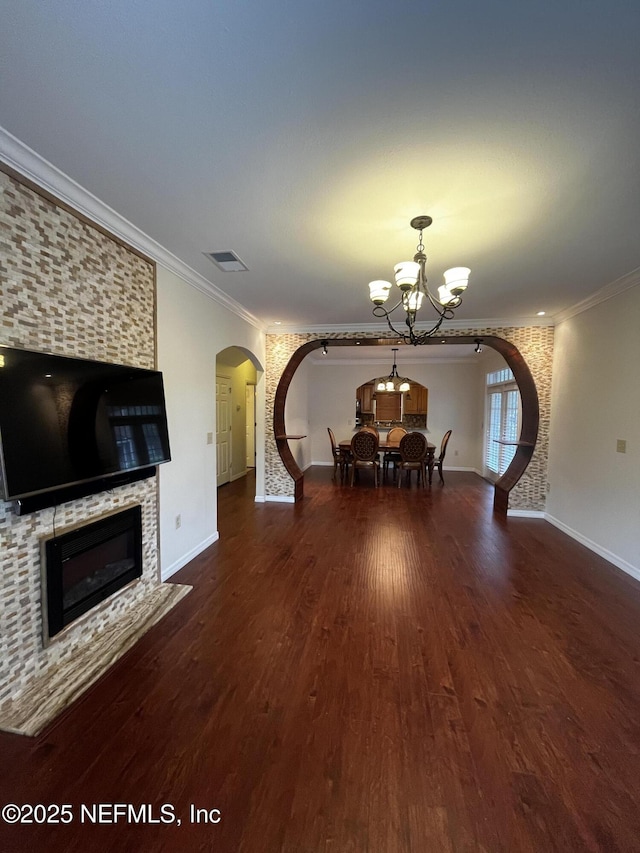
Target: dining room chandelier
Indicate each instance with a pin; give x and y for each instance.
(393, 382)
(411, 279)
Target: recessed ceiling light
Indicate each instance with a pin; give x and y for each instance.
(277, 322)
(227, 261)
(541, 313)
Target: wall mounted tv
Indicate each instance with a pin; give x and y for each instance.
(71, 427)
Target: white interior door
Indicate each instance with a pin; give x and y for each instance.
(251, 426)
(223, 430)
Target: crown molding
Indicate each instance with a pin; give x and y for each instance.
(28, 163)
(615, 288)
(35, 168)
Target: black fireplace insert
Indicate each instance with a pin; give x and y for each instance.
(84, 566)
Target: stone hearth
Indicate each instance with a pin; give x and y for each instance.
(51, 693)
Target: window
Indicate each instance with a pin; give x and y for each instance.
(503, 421)
(499, 376)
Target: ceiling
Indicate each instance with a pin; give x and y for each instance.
(305, 136)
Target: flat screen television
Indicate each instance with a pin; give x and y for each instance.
(69, 426)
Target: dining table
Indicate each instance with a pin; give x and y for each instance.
(384, 446)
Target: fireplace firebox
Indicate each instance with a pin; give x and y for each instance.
(84, 566)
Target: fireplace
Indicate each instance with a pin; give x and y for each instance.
(84, 566)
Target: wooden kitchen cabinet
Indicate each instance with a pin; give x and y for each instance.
(416, 400)
(364, 395)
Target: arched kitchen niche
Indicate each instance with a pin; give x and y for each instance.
(379, 406)
(528, 395)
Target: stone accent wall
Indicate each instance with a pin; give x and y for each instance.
(536, 346)
(279, 349)
(66, 288)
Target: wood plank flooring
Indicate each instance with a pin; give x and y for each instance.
(376, 671)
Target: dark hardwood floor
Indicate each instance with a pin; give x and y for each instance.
(369, 670)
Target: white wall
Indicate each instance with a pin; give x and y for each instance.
(455, 402)
(595, 491)
(192, 329)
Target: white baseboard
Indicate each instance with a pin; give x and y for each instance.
(526, 513)
(259, 499)
(186, 558)
(634, 571)
(238, 476)
(282, 499)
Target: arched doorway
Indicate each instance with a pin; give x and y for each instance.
(530, 408)
(238, 374)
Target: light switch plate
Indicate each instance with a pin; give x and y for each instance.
(621, 446)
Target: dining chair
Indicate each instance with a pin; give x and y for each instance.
(340, 457)
(364, 453)
(413, 455)
(437, 463)
(394, 436)
(372, 429)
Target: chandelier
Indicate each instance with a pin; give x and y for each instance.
(411, 279)
(393, 382)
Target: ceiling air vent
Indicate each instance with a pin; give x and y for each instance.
(227, 261)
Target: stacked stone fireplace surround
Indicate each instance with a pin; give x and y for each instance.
(66, 287)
